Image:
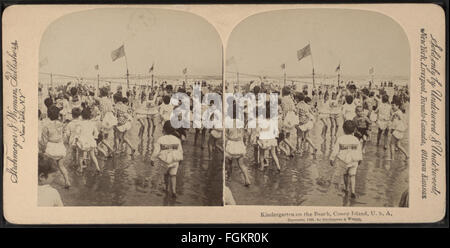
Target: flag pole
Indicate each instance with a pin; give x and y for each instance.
(284, 74)
(312, 62)
(126, 64)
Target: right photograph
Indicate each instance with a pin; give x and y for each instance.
(339, 83)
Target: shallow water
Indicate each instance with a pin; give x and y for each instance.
(131, 181)
(305, 181)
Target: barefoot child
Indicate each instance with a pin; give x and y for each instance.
(384, 112)
(141, 115)
(398, 129)
(235, 150)
(168, 149)
(52, 141)
(347, 150)
(123, 124)
(268, 132)
(72, 132)
(87, 139)
(306, 123)
(334, 112)
(348, 109)
(362, 123)
(324, 113)
(152, 113)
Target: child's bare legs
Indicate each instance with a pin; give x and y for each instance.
(363, 145)
(333, 125)
(74, 154)
(392, 147)
(386, 138)
(352, 185)
(94, 159)
(346, 182)
(101, 150)
(150, 127)
(282, 147)
(116, 140)
(299, 140)
(127, 142)
(275, 158)
(110, 149)
(261, 158)
(64, 172)
(81, 161)
(291, 146)
(244, 170)
(309, 142)
(325, 127)
(173, 180)
(256, 154)
(141, 129)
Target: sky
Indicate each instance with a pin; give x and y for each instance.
(357, 40)
(172, 40)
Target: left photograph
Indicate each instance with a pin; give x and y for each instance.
(106, 81)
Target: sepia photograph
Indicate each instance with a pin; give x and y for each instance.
(224, 114)
(106, 81)
(342, 80)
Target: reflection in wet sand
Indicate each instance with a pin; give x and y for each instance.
(305, 181)
(131, 181)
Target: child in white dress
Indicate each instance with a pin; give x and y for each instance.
(87, 140)
(398, 129)
(347, 150)
(72, 133)
(52, 141)
(384, 112)
(169, 151)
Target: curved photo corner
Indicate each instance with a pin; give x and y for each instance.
(104, 79)
(333, 69)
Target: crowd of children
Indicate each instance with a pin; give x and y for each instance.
(79, 123)
(345, 116)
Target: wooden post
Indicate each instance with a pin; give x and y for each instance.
(312, 62)
(128, 82)
(314, 83)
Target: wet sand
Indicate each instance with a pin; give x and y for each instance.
(379, 182)
(131, 180)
